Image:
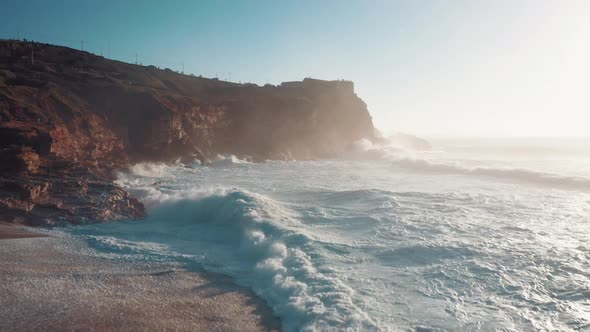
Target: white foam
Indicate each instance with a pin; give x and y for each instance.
(330, 245)
(222, 161)
(148, 169)
(260, 243)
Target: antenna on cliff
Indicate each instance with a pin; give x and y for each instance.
(135, 57)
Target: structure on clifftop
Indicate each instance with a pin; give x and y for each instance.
(312, 84)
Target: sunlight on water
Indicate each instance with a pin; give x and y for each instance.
(383, 239)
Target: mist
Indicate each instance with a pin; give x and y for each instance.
(485, 69)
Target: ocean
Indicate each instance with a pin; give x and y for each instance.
(490, 235)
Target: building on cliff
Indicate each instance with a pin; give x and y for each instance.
(320, 85)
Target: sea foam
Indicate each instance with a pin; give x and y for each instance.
(380, 240)
(250, 237)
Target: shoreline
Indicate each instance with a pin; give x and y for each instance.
(57, 282)
(12, 231)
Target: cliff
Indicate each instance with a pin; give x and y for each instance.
(68, 119)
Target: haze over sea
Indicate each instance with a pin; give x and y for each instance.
(468, 235)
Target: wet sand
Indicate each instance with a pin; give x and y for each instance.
(57, 283)
(10, 231)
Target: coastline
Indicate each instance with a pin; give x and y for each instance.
(59, 283)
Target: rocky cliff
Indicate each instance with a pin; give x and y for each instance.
(68, 119)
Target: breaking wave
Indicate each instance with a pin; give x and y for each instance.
(148, 169)
(410, 160)
(517, 174)
(229, 160)
(250, 237)
(341, 245)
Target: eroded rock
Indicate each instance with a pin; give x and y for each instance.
(69, 120)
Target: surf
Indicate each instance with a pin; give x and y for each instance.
(402, 157)
(363, 243)
(249, 237)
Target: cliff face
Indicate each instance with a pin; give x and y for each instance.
(71, 114)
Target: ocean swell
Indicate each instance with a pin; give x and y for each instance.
(514, 174)
(414, 161)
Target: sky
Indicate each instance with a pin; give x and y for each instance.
(432, 68)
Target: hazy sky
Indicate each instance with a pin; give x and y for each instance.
(460, 68)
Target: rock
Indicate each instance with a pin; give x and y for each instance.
(30, 159)
(68, 122)
(64, 192)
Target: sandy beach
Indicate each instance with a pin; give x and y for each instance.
(55, 283)
(10, 231)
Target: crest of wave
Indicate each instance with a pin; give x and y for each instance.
(259, 242)
(406, 156)
(228, 160)
(385, 149)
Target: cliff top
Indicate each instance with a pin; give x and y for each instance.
(31, 56)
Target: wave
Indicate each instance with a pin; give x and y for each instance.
(252, 238)
(411, 160)
(148, 169)
(161, 169)
(365, 149)
(229, 160)
(515, 174)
